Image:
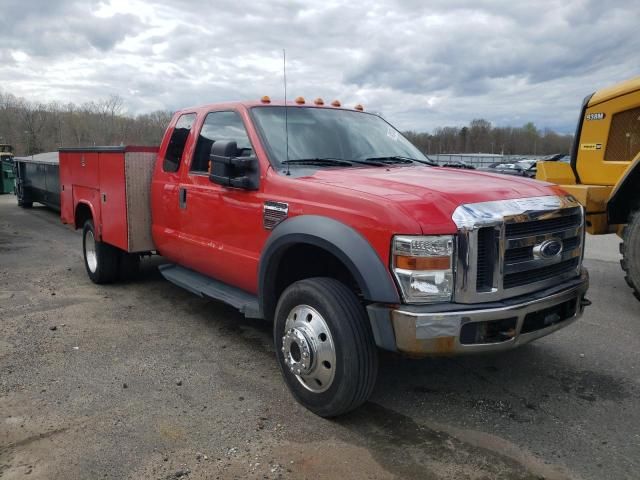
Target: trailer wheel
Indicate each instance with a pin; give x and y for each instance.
(630, 250)
(325, 346)
(100, 259)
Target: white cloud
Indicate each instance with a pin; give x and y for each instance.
(422, 64)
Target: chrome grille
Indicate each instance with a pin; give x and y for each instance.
(503, 247)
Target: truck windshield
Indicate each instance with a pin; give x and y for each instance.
(333, 135)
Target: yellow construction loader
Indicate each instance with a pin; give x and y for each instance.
(604, 173)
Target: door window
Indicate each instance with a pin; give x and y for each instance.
(219, 126)
(177, 142)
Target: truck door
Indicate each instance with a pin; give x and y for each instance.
(220, 225)
(165, 189)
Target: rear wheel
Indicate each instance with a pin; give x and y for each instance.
(630, 250)
(129, 265)
(325, 347)
(100, 259)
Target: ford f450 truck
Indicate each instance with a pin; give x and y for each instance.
(329, 223)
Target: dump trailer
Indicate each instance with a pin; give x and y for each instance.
(38, 180)
(604, 172)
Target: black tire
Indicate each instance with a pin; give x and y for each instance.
(23, 204)
(630, 250)
(105, 269)
(356, 356)
(129, 266)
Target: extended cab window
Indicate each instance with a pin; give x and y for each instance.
(219, 126)
(177, 142)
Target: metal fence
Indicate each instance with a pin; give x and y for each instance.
(477, 159)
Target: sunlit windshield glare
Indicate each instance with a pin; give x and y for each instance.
(328, 133)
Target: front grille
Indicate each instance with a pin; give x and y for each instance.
(539, 274)
(522, 267)
(537, 227)
(486, 258)
(511, 248)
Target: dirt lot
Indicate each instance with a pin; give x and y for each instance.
(144, 380)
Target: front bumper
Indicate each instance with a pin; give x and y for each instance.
(453, 329)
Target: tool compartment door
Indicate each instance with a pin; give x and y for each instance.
(113, 199)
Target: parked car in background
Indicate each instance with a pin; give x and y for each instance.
(556, 157)
(521, 168)
(458, 164)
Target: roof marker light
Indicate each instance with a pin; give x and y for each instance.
(300, 100)
(359, 107)
(335, 103)
(318, 101)
(265, 99)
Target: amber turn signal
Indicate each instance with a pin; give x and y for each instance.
(300, 100)
(318, 101)
(423, 263)
(335, 103)
(265, 99)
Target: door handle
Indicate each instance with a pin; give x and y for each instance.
(183, 198)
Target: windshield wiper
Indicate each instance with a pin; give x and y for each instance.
(318, 161)
(390, 159)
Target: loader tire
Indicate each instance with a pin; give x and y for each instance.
(630, 250)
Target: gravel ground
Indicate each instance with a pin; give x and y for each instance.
(144, 380)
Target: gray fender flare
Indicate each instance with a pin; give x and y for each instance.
(349, 246)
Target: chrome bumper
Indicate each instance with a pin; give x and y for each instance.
(419, 330)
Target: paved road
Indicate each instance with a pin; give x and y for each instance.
(563, 407)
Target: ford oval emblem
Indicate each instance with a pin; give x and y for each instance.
(549, 248)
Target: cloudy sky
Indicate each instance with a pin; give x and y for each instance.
(421, 63)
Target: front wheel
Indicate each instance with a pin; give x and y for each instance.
(325, 346)
(100, 259)
(630, 250)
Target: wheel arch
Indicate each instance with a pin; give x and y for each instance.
(625, 196)
(338, 240)
(84, 211)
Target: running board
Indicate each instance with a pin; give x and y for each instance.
(204, 286)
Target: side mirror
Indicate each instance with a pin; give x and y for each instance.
(229, 170)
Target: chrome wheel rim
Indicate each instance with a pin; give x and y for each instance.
(308, 349)
(90, 251)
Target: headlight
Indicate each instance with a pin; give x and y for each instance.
(423, 267)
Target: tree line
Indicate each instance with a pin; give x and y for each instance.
(33, 127)
(480, 136)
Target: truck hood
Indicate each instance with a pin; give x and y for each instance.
(429, 194)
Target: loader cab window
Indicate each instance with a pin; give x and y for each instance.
(623, 143)
(217, 126)
(177, 142)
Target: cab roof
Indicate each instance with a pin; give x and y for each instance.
(260, 103)
(616, 90)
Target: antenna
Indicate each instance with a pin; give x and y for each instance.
(286, 119)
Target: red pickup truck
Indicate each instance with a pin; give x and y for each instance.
(328, 222)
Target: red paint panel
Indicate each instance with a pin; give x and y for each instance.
(85, 168)
(113, 204)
